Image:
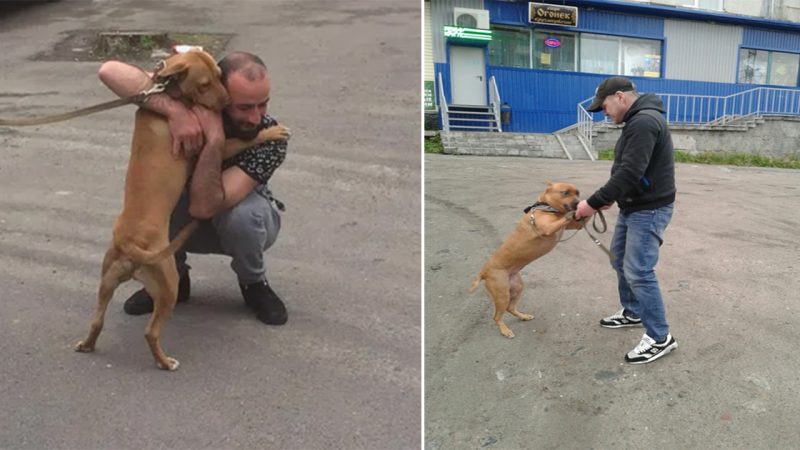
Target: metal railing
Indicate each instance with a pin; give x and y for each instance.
(764, 102)
(585, 124)
(494, 100)
(443, 106)
(709, 110)
(694, 109)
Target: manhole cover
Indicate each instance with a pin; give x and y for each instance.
(129, 46)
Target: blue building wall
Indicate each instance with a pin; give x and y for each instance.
(771, 40)
(606, 22)
(545, 101)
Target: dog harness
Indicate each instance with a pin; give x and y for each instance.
(542, 206)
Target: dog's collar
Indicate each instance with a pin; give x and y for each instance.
(542, 206)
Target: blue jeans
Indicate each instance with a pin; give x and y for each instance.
(635, 245)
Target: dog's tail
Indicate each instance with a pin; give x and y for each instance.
(476, 281)
(147, 257)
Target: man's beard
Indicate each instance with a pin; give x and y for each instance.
(233, 130)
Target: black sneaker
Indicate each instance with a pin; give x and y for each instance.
(265, 302)
(140, 302)
(648, 350)
(620, 320)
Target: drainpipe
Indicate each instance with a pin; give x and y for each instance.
(768, 8)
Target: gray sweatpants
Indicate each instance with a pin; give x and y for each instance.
(243, 232)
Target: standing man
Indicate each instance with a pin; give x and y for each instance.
(643, 185)
(242, 220)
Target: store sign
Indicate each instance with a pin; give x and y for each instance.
(429, 96)
(467, 34)
(552, 42)
(545, 14)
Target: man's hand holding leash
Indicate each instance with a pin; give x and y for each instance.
(584, 211)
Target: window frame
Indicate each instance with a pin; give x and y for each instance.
(576, 35)
(529, 32)
(768, 79)
(620, 41)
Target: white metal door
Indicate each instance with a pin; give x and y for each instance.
(467, 75)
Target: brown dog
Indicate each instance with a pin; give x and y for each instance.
(537, 232)
(140, 247)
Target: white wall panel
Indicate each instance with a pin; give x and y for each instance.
(701, 51)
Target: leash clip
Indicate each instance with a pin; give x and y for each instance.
(155, 89)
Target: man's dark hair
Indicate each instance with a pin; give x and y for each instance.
(247, 64)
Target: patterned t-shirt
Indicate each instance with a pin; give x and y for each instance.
(260, 162)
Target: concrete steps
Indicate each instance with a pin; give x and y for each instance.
(544, 145)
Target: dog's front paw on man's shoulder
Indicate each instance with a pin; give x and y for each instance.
(275, 133)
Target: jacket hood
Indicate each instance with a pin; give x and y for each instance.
(645, 101)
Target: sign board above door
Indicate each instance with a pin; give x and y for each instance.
(545, 14)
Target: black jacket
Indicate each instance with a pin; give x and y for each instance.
(643, 173)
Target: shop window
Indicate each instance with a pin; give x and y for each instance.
(753, 66)
(554, 51)
(599, 54)
(641, 58)
(766, 67)
(510, 48)
(613, 55)
(570, 52)
(783, 69)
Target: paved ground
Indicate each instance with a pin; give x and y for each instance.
(729, 273)
(345, 371)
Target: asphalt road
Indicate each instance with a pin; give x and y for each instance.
(729, 274)
(345, 371)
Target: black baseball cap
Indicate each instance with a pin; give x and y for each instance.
(607, 87)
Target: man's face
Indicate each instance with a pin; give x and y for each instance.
(248, 103)
(616, 106)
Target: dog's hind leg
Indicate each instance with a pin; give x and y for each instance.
(161, 282)
(515, 283)
(116, 269)
(497, 285)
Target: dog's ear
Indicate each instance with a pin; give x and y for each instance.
(549, 184)
(171, 69)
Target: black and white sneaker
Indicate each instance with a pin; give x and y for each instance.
(620, 320)
(648, 350)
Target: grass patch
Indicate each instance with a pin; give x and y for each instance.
(434, 144)
(738, 159)
(147, 43)
(726, 159)
(607, 154)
